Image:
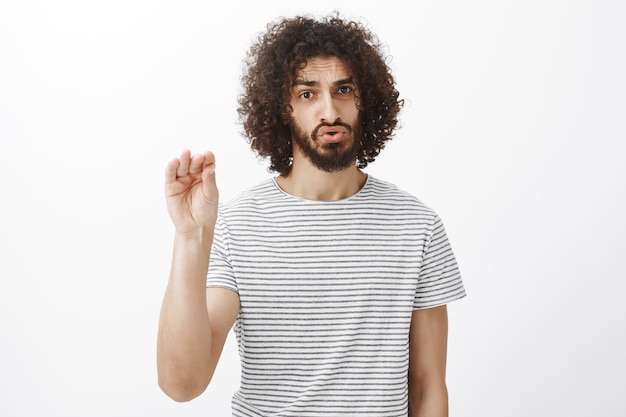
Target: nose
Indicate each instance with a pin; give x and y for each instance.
(329, 112)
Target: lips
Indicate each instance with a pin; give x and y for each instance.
(330, 130)
(331, 134)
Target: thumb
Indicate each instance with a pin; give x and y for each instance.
(209, 184)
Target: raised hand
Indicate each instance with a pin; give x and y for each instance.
(191, 192)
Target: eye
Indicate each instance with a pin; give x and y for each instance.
(345, 89)
(306, 95)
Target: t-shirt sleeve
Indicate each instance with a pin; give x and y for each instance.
(221, 272)
(439, 277)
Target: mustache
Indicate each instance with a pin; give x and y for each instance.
(325, 124)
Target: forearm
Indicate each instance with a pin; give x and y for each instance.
(184, 339)
(428, 400)
(428, 394)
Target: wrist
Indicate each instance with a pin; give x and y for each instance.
(200, 237)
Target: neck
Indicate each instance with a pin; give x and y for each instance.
(306, 181)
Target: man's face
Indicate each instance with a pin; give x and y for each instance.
(325, 119)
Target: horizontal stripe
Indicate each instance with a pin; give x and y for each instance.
(327, 290)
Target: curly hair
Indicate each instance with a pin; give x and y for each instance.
(272, 64)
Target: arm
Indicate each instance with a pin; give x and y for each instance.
(195, 320)
(428, 339)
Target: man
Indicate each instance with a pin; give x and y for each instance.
(336, 282)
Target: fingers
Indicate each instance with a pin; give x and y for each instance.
(209, 185)
(185, 160)
(208, 169)
(187, 164)
(171, 169)
(208, 161)
(196, 164)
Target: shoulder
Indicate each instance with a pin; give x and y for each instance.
(390, 194)
(263, 197)
(265, 190)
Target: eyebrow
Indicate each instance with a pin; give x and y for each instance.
(343, 81)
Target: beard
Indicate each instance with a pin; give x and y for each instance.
(329, 157)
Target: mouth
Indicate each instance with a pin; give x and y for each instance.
(331, 134)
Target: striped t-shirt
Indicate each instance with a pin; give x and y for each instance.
(327, 289)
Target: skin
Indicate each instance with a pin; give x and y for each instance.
(195, 320)
(323, 94)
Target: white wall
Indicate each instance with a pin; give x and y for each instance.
(513, 131)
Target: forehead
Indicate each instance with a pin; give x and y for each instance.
(324, 67)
